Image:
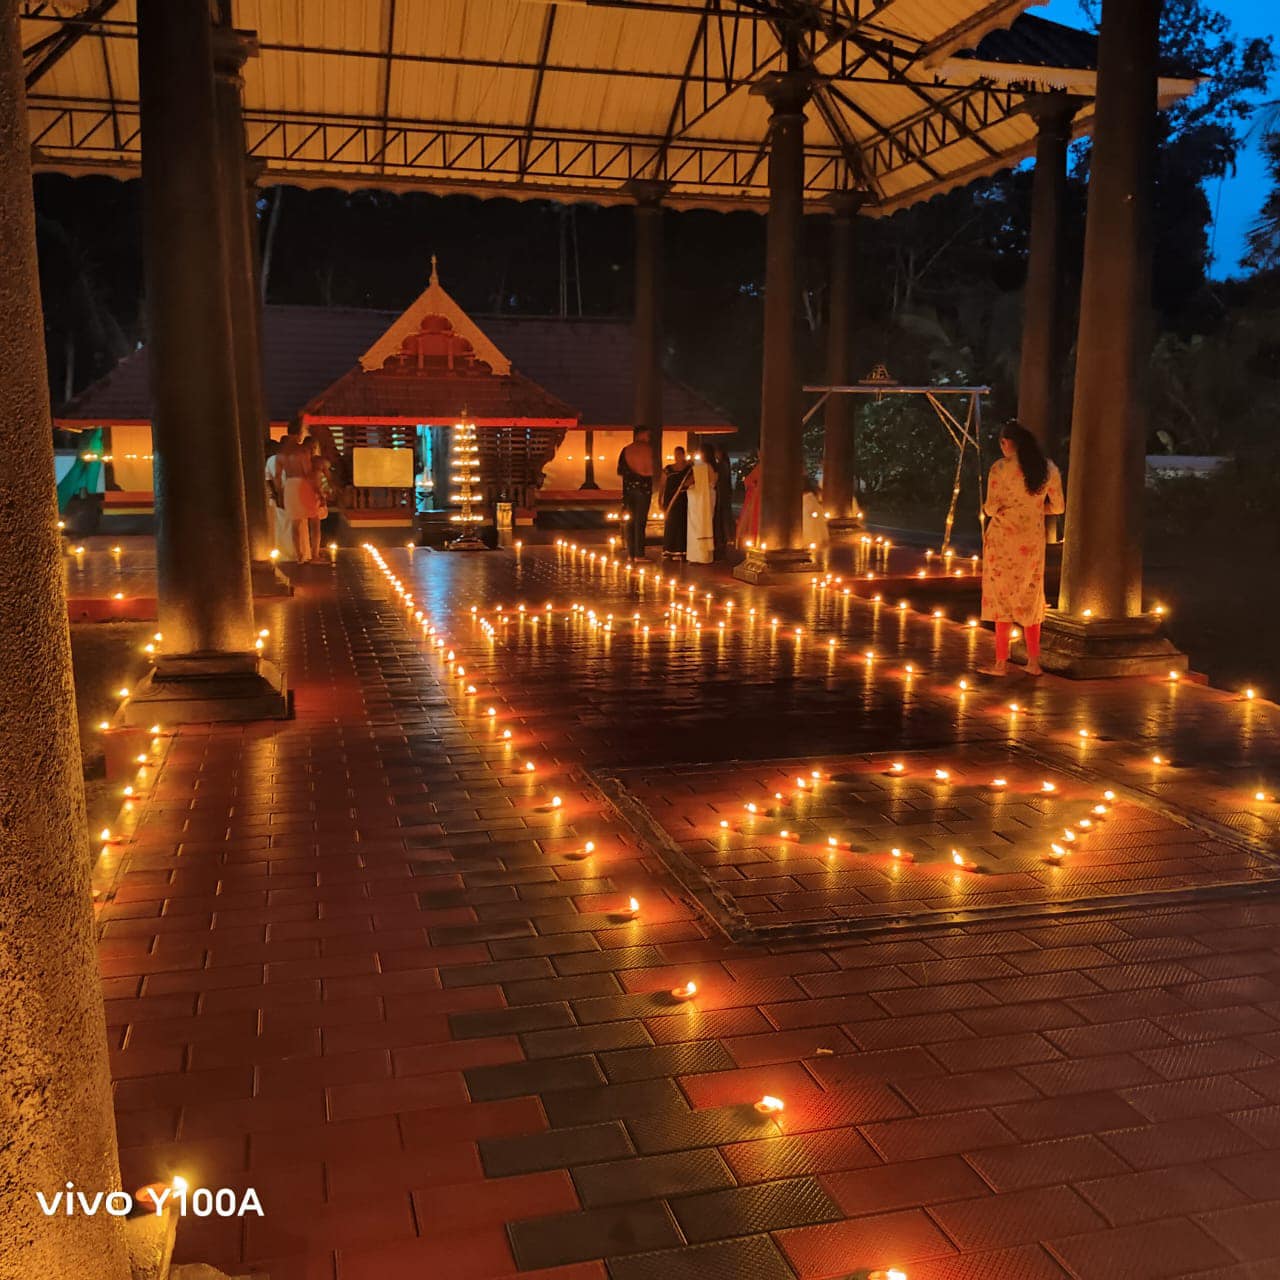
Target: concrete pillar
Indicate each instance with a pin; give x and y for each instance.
(209, 669)
(1099, 628)
(1044, 330)
(839, 448)
(230, 50)
(55, 1089)
(781, 453)
(648, 312)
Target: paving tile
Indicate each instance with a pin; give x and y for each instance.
(922, 1136)
(1204, 1096)
(592, 1233)
(1148, 1251)
(763, 1206)
(904, 1185)
(677, 1131)
(874, 1242)
(1158, 1193)
(510, 1080)
(1025, 1262)
(1189, 1141)
(1064, 1116)
(646, 1177)
(755, 1256)
(615, 1101)
(1015, 1217)
(441, 1209)
(473, 1255)
(1042, 1164)
(652, 1062)
(790, 1155)
(558, 1149)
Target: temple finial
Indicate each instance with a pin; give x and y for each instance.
(435, 278)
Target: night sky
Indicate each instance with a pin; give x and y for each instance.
(1237, 197)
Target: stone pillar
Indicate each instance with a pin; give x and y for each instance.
(230, 50)
(648, 311)
(55, 1088)
(1099, 628)
(209, 670)
(839, 448)
(1040, 407)
(781, 546)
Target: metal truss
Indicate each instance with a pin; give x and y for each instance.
(734, 43)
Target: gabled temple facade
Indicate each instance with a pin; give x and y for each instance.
(551, 398)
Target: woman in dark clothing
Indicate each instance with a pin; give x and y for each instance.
(675, 502)
(723, 527)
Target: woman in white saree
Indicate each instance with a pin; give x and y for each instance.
(702, 510)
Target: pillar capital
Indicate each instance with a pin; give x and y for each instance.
(787, 92)
(1052, 110)
(647, 192)
(847, 204)
(231, 50)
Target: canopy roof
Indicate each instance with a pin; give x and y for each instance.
(580, 98)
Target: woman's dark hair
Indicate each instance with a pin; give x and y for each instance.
(1031, 460)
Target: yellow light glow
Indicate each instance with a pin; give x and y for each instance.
(687, 992)
(769, 1105)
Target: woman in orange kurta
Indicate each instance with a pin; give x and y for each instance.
(1022, 488)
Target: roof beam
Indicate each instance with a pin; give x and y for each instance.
(677, 106)
(899, 77)
(386, 78)
(61, 42)
(535, 96)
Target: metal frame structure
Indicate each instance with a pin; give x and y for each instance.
(963, 434)
(891, 121)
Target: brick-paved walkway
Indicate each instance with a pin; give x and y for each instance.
(363, 963)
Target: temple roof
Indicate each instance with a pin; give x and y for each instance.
(586, 364)
(576, 100)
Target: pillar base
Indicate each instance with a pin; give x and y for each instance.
(1099, 648)
(268, 580)
(199, 688)
(150, 1239)
(769, 566)
(839, 524)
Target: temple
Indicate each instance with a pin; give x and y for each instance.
(551, 398)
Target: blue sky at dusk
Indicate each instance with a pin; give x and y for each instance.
(1238, 197)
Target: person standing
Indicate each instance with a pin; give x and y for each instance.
(723, 530)
(321, 476)
(702, 511)
(816, 534)
(675, 505)
(749, 516)
(635, 466)
(1022, 488)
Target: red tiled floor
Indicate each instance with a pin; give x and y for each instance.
(329, 935)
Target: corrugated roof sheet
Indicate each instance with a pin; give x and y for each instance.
(567, 100)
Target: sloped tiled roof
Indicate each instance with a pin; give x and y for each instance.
(439, 399)
(586, 363)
